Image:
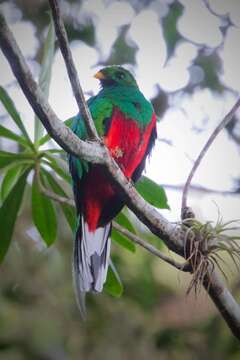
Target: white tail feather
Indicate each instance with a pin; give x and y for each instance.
(91, 257)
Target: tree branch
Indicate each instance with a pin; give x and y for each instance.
(173, 235)
(72, 72)
(137, 240)
(224, 301)
(201, 189)
(52, 195)
(55, 127)
(204, 150)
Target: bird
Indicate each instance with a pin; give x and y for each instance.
(126, 122)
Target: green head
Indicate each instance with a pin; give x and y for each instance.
(115, 76)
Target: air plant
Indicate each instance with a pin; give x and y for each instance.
(205, 244)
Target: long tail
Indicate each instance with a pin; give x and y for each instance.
(90, 260)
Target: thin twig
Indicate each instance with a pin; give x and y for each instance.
(52, 195)
(204, 150)
(72, 72)
(201, 189)
(137, 240)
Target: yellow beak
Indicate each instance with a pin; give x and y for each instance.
(99, 75)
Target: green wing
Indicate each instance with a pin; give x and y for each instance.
(129, 100)
(101, 109)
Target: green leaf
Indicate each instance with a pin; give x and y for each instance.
(85, 32)
(152, 193)
(10, 179)
(170, 30)
(121, 239)
(68, 210)
(113, 284)
(123, 51)
(8, 213)
(56, 151)
(211, 64)
(43, 214)
(8, 134)
(47, 137)
(12, 111)
(6, 158)
(124, 221)
(58, 168)
(45, 74)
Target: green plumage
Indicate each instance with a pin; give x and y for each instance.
(128, 99)
(127, 123)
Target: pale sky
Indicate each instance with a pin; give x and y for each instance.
(169, 164)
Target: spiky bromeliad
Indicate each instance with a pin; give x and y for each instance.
(127, 123)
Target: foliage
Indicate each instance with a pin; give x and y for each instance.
(170, 31)
(9, 210)
(205, 245)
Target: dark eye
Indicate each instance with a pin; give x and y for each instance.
(120, 75)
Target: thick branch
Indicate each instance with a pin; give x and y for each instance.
(72, 72)
(173, 235)
(224, 301)
(204, 150)
(161, 227)
(55, 127)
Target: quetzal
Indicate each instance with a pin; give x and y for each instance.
(127, 123)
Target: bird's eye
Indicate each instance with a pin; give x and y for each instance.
(120, 75)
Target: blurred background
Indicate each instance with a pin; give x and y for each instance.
(185, 56)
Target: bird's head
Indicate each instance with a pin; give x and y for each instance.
(115, 75)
